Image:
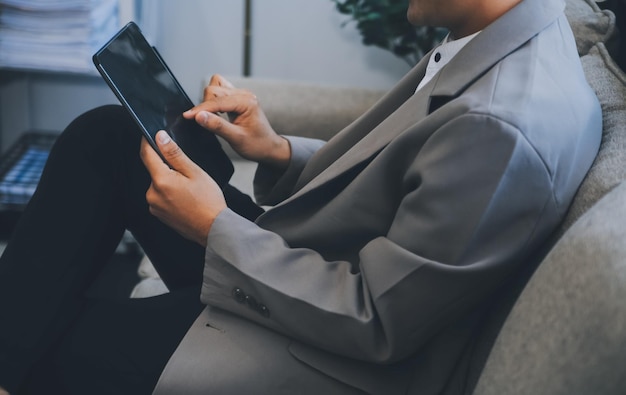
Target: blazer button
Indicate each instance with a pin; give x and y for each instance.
(264, 311)
(251, 302)
(239, 295)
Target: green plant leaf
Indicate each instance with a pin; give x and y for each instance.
(383, 23)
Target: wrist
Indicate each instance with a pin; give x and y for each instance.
(280, 154)
(203, 234)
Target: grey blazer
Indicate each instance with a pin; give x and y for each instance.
(365, 275)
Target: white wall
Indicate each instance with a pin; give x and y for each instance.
(300, 40)
(200, 37)
(304, 40)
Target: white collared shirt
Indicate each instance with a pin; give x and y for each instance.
(442, 55)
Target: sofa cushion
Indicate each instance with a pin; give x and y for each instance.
(609, 168)
(567, 332)
(589, 24)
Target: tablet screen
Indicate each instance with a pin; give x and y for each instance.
(143, 82)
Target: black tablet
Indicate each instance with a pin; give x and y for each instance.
(143, 83)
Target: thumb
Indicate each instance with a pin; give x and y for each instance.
(174, 155)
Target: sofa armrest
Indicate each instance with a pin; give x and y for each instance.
(307, 109)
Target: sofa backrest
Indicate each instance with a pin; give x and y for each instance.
(566, 333)
(609, 167)
(596, 34)
(590, 24)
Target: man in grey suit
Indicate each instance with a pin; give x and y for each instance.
(373, 271)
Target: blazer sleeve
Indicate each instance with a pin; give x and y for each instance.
(270, 186)
(471, 205)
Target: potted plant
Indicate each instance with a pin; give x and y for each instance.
(383, 23)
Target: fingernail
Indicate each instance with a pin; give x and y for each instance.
(163, 137)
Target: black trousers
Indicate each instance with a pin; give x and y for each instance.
(52, 338)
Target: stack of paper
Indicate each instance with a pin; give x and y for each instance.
(57, 35)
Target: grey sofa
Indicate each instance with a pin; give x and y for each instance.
(566, 330)
(566, 333)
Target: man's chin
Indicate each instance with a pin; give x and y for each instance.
(416, 18)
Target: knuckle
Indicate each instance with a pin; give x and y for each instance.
(173, 152)
(215, 79)
(153, 210)
(210, 93)
(151, 192)
(251, 98)
(143, 153)
(150, 199)
(216, 124)
(159, 185)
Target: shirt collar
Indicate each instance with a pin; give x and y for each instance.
(443, 55)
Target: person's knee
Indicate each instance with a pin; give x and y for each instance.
(101, 126)
(101, 131)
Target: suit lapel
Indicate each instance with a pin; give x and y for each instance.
(400, 108)
(494, 43)
(353, 133)
(408, 114)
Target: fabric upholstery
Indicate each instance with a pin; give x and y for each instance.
(567, 332)
(609, 168)
(589, 24)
